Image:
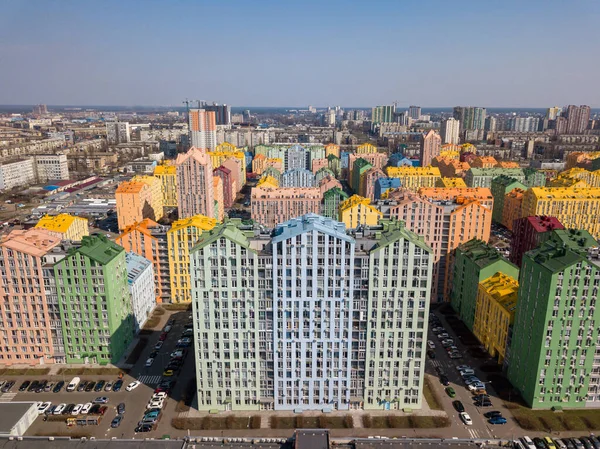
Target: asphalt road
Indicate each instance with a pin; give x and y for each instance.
(135, 401)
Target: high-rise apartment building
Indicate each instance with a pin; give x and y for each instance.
(413, 178)
(501, 186)
(553, 358)
(156, 194)
(578, 118)
(95, 301)
(65, 226)
(271, 206)
(17, 173)
(117, 132)
(358, 211)
(140, 278)
(470, 117)
(134, 203)
(383, 114)
(529, 233)
(414, 112)
(167, 174)
(450, 130)
(222, 113)
(202, 128)
(29, 336)
(431, 144)
(553, 112)
(195, 184)
(312, 318)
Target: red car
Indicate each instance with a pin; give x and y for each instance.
(163, 336)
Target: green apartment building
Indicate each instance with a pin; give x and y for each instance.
(554, 349)
(474, 262)
(360, 166)
(95, 302)
(331, 202)
(482, 177)
(500, 187)
(534, 178)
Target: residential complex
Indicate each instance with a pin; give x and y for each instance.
(140, 278)
(310, 318)
(529, 233)
(357, 211)
(134, 203)
(65, 226)
(195, 194)
(203, 128)
(167, 174)
(271, 206)
(413, 178)
(431, 144)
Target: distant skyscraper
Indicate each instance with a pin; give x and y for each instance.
(553, 112)
(222, 113)
(383, 114)
(203, 128)
(431, 144)
(491, 124)
(330, 117)
(40, 109)
(578, 118)
(117, 132)
(450, 130)
(414, 112)
(470, 117)
(195, 184)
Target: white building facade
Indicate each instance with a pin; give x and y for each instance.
(51, 167)
(17, 173)
(140, 277)
(450, 130)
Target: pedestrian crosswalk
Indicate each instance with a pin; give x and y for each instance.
(150, 380)
(475, 433)
(7, 397)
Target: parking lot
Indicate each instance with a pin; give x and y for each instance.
(136, 401)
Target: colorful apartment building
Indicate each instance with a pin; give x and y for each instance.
(167, 173)
(226, 151)
(271, 206)
(553, 358)
(140, 278)
(333, 149)
(357, 211)
(95, 302)
(366, 148)
(507, 164)
(451, 183)
(149, 240)
(261, 162)
(65, 226)
(156, 194)
(318, 164)
(483, 195)
(475, 261)
(195, 193)
(327, 183)
(322, 173)
(382, 185)
(501, 186)
(450, 168)
(529, 233)
(574, 208)
(413, 178)
(229, 185)
(367, 184)
(335, 164)
(134, 203)
(484, 162)
(182, 236)
(237, 171)
(482, 177)
(512, 209)
(29, 332)
(332, 198)
(495, 313)
(431, 143)
(359, 167)
(568, 178)
(268, 182)
(534, 178)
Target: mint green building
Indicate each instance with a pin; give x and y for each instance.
(554, 346)
(482, 177)
(94, 301)
(360, 166)
(331, 202)
(474, 262)
(534, 178)
(335, 164)
(502, 185)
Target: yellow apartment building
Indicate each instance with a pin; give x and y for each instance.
(65, 226)
(167, 174)
(358, 210)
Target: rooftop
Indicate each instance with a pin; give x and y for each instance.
(199, 221)
(57, 223)
(496, 171)
(543, 223)
(11, 413)
(130, 187)
(504, 289)
(312, 439)
(564, 193)
(36, 242)
(98, 248)
(564, 248)
(136, 265)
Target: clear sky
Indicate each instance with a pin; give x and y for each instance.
(521, 53)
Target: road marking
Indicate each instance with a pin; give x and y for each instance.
(474, 434)
(7, 397)
(150, 380)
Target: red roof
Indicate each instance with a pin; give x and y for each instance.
(543, 223)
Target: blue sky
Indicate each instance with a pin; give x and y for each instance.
(521, 53)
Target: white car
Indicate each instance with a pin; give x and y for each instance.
(466, 418)
(167, 329)
(77, 409)
(159, 396)
(430, 344)
(59, 408)
(43, 406)
(467, 372)
(150, 361)
(86, 408)
(133, 385)
(158, 403)
(464, 368)
(473, 380)
(476, 386)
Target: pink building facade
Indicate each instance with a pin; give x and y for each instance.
(273, 206)
(237, 173)
(368, 185)
(195, 184)
(229, 185)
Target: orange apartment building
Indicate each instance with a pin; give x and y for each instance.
(27, 313)
(484, 162)
(134, 203)
(149, 239)
(271, 206)
(511, 211)
(219, 198)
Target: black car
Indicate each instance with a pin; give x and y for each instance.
(587, 443)
(95, 409)
(41, 386)
(444, 380)
(431, 353)
(33, 386)
(68, 409)
(492, 414)
(82, 385)
(24, 385)
(99, 386)
(595, 441)
(458, 406)
(539, 443)
(90, 386)
(58, 386)
(116, 422)
(171, 322)
(144, 428)
(153, 355)
(121, 408)
(117, 386)
(7, 386)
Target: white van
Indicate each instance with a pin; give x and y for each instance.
(73, 384)
(528, 442)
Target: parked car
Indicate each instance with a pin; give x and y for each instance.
(108, 386)
(458, 406)
(444, 380)
(167, 329)
(86, 408)
(68, 409)
(144, 428)
(464, 368)
(90, 386)
(158, 345)
(82, 385)
(117, 385)
(430, 344)
(149, 362)
(497, 420)
(466, 418)
(450, 392)
(133, 385)
(455, 355)
(59, 408)
(7, 386)
(116, 422)
(43, 407)
(475, 386)
(95, 409)
(121, 408)
(163, 336)
(153, 355)
(99, 386)
(48, 387)
(58, 387)
(101, 400)
(431, 354)
(33, 386)
(77, 409)
(24, 385)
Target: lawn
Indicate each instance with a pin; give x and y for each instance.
(91, 371)
(24, 371)
(311, 422)
(217, 423)
(549, 421)
(404, 422)
(431, 396)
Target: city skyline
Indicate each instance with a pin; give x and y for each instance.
(77, 61)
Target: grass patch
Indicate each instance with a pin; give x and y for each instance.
(283, 422)
(312, 422)
(159, 311)
(137, 351)
(548, 421)
(24, 371)
(151, 323)
(405, 422)
(64, 433)
(91, 371)
(215, 423)
(431, 396)
(178, 306)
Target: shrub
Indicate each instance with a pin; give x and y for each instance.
(255, 422)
